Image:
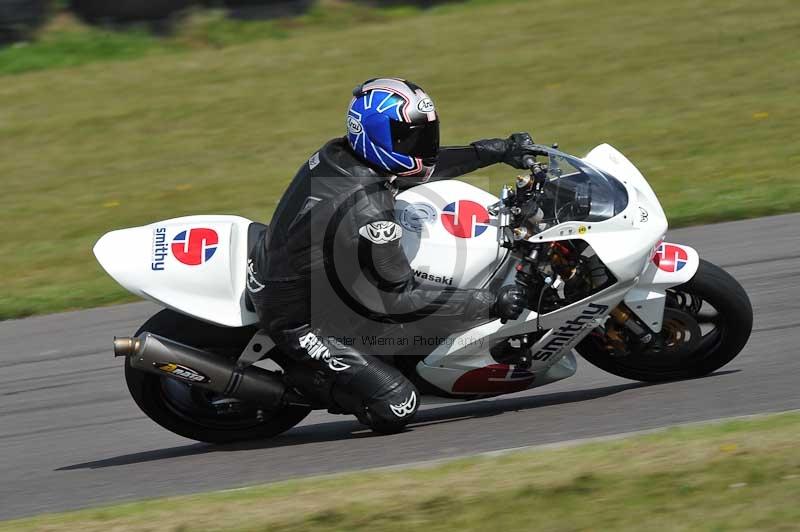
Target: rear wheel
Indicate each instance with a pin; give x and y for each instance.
(707, 322)
(199, 414)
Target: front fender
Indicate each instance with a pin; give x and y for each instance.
(671, 265)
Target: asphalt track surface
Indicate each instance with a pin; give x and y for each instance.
(71, 437)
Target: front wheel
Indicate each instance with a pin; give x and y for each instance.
(199, 414)
(707, 322)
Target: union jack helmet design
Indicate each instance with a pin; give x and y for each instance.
(392, 125)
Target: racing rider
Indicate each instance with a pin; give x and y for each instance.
(333, 237)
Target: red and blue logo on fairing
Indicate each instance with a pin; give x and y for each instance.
(195, 246)
(670, 258)
(465, 219)
(494, 379)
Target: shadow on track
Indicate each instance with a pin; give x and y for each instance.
(352, 429)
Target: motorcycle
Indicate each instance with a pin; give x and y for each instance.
(584, 236)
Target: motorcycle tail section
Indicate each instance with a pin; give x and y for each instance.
(196, 265)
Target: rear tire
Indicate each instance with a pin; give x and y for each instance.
(186, 412)
(716, 288)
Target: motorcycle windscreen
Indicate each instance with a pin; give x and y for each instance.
(577, 192)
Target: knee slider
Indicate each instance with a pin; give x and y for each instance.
(380, 396)
(393, 410)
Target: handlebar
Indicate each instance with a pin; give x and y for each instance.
(528, 161)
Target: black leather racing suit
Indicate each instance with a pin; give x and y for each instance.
(331, 262)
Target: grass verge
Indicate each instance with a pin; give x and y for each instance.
(736, 475)
(67, 42)
(701, 96)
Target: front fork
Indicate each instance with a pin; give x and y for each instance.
(624, 332)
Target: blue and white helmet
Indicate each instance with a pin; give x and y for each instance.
(392, 125)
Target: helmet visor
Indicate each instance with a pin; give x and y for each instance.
(416, 140)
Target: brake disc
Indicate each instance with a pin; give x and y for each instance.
(680, 333)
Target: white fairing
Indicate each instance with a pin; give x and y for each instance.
(678, 263)
(626, 244)
(195, 264)
(448, 235)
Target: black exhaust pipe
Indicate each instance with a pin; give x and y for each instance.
(162, 356)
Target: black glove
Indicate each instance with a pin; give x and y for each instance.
(510, 151)
(510, 302)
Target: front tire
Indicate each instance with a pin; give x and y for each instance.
(198, 414)
(727, 331)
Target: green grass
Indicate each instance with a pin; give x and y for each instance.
(739, 475)
(66, 42)
(702, 96)
(73, 48)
